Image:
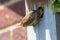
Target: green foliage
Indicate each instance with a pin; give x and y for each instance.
(56, 6)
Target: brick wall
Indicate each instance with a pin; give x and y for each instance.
(11, 15)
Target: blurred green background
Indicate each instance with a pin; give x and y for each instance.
(55, 6)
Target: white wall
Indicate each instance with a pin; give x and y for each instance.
(46, 29)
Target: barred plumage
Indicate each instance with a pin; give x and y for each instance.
(33, 17)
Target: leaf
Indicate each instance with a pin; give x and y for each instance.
(56, 7)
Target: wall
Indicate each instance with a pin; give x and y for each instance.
(58, 26)
(46, 29)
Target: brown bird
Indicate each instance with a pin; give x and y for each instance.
(33, 18)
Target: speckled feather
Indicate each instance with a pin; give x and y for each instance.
(33, 18)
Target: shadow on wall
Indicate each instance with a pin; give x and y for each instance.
(43, 32)
(58, 25)
(40, 31)
(46, 30)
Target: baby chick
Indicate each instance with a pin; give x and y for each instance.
(33, 18)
